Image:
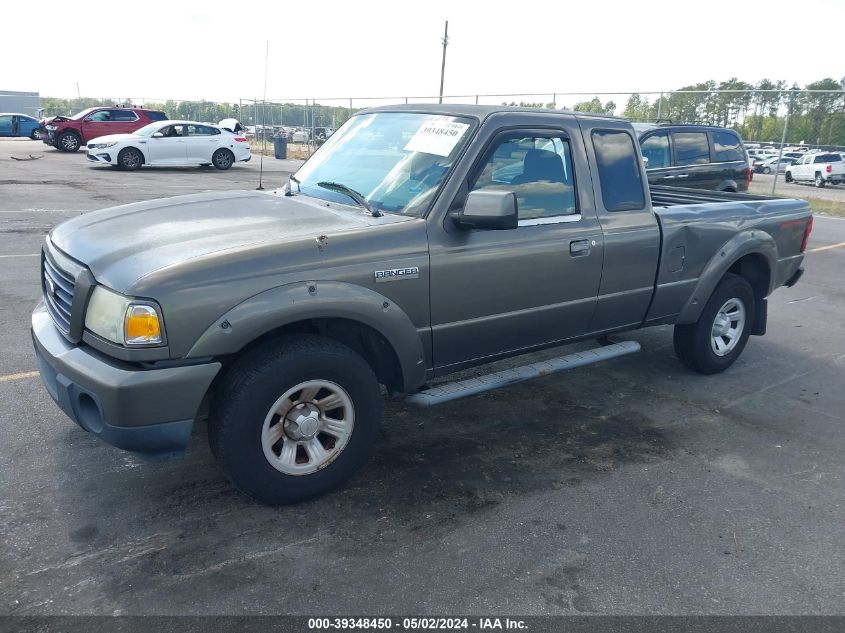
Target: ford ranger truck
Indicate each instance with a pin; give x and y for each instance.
(416, 242)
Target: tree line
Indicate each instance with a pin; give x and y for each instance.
(757, 111)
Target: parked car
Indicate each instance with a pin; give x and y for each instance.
(15, 124)
(767, 166)
(694, 156)
(301, 135)
(68, 134)
(285, 311)
(170, 143)
(819, 168)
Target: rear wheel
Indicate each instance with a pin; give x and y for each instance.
(820, 183)
(36, 135)
(715, 341)
(788, 176)
(295, 420)
(68, 142)
(130, 159)
(223, 159)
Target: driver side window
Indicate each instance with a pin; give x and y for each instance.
(538, 170)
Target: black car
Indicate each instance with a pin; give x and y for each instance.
(695, 156)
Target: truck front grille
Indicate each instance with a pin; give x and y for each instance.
(58, 287)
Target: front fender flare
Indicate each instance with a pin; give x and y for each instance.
(301, 301)
(751, 241)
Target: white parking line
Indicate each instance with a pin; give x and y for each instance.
(22, 376)
(829, 247)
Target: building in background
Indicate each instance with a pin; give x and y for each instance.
(21, 102)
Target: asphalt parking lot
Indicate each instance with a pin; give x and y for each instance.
(631, 487)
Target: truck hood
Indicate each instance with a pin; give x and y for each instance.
(122, 245)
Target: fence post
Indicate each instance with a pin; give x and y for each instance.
(782, 141)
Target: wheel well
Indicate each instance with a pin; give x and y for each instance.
(363, 339)
(755, 268)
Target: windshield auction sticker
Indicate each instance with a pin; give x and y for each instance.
(438, 136)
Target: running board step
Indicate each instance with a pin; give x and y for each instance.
(471, 386)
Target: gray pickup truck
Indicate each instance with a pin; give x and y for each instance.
(418, 241)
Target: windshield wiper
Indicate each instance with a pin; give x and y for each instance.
(357, 197)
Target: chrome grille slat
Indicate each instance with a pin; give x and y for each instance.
(66, 276)
(60, 301)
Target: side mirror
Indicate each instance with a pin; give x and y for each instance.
(645, 161)
(158, 135)
(488, 210)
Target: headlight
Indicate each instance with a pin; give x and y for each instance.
(101, 145)
(121, 319)
(50, 127)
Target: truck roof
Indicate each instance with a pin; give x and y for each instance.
(480, 112)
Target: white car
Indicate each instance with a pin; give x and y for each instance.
(171, 143)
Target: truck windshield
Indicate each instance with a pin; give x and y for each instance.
(396, 160)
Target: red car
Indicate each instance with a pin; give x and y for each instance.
(68, 134)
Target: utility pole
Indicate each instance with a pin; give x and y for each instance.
(443, 64)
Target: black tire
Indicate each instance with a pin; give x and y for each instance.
(223, 159)
(130, 159)
(820, 182)
(693, 341)
(68, 142)
(247, 393)
(788, 176)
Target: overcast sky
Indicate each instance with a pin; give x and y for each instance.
(215, 50)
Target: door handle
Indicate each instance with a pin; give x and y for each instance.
(683, 176)
(669, 177)
(579, 248)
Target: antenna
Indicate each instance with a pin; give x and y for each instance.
(443, 65)
(263, 119)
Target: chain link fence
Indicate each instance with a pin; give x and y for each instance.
(811, 116)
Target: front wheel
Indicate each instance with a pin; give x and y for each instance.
(767, 170)
(820, 182)
(130, 159)
(68, 142)
(223, 159)
(295, 420)
(715, 341)
(788, 176)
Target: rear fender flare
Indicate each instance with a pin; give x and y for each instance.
(740, 245)
(301, 301)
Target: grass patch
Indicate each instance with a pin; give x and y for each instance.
(823, 206)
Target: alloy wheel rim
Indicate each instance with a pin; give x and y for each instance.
(727, 327)
(308, 427)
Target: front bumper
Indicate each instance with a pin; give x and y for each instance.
(148, 411)
(99, 156)
(48, 137)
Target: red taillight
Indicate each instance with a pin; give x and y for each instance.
(748, 176)
(807, 230)
(828, 168)
(240, 139)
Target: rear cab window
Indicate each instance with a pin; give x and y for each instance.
(619, 170)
